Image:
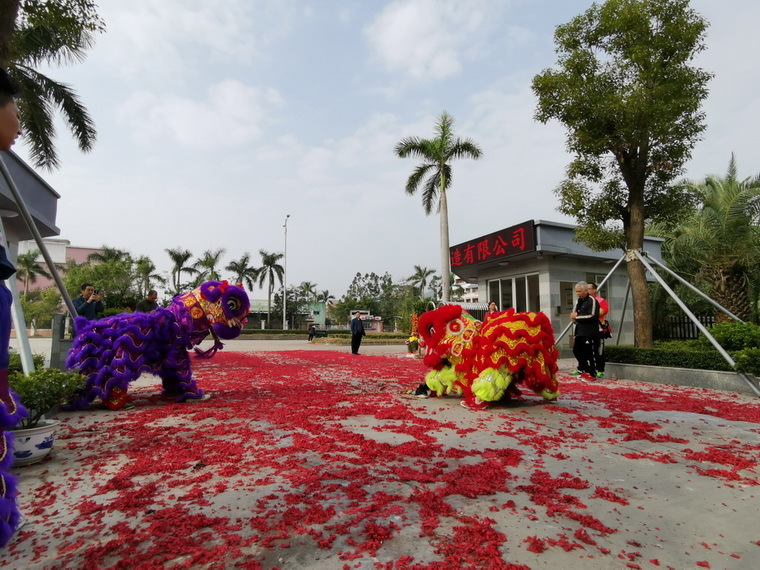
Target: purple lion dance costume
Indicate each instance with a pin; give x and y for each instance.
(11, 414)
(113, 351)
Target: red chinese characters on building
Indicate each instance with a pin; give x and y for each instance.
(510, 241)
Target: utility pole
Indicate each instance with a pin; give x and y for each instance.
(285, 277)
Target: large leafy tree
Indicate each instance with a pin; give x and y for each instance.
(434, 174)
(242, 270)
(114, 278)
(269, 271)
(625, 89)
(53, 33)
(28, 269)
(40, 306)
(718, 245)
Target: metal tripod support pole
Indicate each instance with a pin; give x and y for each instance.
(697, 291)
(695, 320)
(599, 285)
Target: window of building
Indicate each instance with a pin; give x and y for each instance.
(520, 292)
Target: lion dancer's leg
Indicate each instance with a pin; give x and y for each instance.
(88, 356)
(129, 362)
(114, 391)
(177, 377)
(541, 375)
(11, 413)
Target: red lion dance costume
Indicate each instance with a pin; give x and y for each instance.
(484, 362)
(113, 351)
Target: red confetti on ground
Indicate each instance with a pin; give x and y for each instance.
(309, 456)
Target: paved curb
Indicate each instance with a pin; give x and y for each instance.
(712, 379)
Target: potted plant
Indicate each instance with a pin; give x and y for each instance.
(41, 391)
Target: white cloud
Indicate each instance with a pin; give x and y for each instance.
(231, 114)
(425, 39)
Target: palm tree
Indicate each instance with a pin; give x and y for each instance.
(307, 291)
(720, 244)
(420, 279)
(37, 34)
(436, 154)
(27, 269)
(268, 271)
(179, 258)
(243, 272)
(107, 254)
(145, 273)
(325, 297)
(206, 265)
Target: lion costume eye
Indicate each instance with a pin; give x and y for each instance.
(233, 304)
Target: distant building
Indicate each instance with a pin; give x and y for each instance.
(371, 323)
(316, 314)
(534, 266)
(60, 251)
(470, 290)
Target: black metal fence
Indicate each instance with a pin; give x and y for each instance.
(680, 327)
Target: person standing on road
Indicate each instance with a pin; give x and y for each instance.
(586, 319)
(357, 332)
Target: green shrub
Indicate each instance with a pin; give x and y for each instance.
(734, 336)
(43, 390)
(673, 354)
(15, 362)
(748, 361)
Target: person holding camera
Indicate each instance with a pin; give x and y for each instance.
(89, 303)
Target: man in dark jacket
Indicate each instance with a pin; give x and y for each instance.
(586, 319)
(357, 332)
(89, 304)
(148, 304)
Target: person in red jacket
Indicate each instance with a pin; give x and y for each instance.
(604, 329)
(493, 311)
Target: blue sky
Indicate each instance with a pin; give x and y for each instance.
(216, 120)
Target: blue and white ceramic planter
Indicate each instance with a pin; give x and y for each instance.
(33, 444)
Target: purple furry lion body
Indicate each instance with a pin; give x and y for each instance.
(113, 351)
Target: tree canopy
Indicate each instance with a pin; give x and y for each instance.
(625, 89)
(718, 246)
(55, 33)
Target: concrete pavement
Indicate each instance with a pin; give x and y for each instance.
(636, 459)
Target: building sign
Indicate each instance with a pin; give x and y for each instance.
(498, 245)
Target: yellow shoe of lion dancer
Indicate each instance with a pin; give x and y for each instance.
(118, 399)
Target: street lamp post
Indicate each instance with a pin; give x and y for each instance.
(285, 277)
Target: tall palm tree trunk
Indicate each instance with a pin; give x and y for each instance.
(731, 290)
(269, 300)
(445, 256)
(8, 15)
